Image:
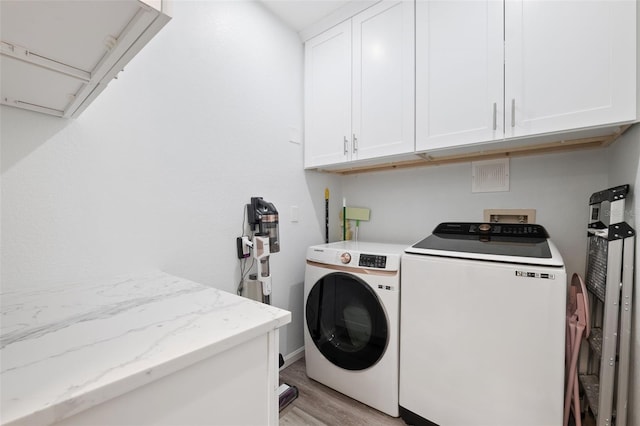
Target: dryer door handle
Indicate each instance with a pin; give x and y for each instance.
(314, 313)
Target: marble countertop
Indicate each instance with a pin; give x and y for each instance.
(65, 349)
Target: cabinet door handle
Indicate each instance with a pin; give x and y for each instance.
(513, 113)
(495, 115)
(355, 143)
(346, 146)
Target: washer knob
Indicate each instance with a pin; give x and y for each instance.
(485, 230)
(345, 258)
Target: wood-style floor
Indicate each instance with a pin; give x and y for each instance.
(318, 405)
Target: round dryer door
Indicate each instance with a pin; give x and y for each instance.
(346, 321)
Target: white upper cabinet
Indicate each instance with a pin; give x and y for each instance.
(459, 72)
(569, 64)
(488, 70)
(328, 96)
(57, 56)
(359, 90)
(383, 80)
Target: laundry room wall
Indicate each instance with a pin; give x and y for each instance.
(406, 205)
(156, 172)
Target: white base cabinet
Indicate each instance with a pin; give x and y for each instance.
(138, 349)
(359, 88)
(235, 387)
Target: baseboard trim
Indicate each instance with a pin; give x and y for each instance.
(293, 357)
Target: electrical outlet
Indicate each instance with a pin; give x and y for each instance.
(510, 215)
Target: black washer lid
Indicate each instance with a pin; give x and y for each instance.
(505, 239)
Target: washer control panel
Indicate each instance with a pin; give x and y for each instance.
(504, 230)
(462, 230)
(373, 261)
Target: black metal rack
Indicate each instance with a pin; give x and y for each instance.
(609, 280)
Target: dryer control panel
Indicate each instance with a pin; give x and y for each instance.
(377, 257)
(373, 261)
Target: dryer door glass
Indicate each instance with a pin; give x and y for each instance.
(346, 321)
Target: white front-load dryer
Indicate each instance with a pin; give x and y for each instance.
(352, 312)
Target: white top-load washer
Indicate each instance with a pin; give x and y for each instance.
(483, 327)
(352, 313)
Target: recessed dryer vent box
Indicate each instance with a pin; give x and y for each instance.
(510, 215)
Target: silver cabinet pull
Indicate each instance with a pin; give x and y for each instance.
(495, 115)
(355, 143)
(346, 146)
(513, 113)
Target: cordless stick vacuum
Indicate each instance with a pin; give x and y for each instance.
(263, 218)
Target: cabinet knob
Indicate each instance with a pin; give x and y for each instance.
(346, 146)
(513, 113)
(355, 143)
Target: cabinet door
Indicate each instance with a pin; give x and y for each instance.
(459, 72)
(568, 64)
(383, 82)
(328, 97)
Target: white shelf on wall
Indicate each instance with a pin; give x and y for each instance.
(57, 57)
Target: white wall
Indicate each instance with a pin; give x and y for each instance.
(406, 205)
(624, 161)
(156, 172)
